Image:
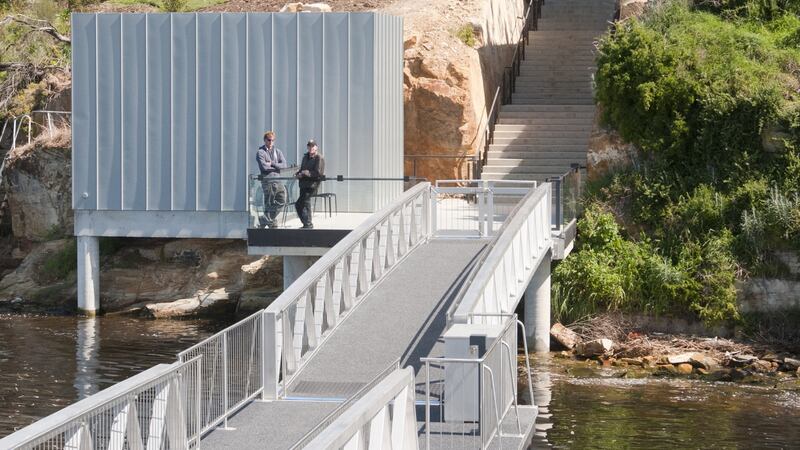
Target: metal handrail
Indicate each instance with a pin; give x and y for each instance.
(279, 315)
(325, 422)
(67, 428)
(482, 363)
(483, 255)
(519, 247)
(372, 411)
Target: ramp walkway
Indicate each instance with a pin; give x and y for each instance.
(404, 314)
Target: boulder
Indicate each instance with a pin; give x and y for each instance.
(680, 359)
(761, 366)
(564, 336)
(684, 368)
(649, 361)
(204, 300)
(703, 361)
(631, 8)
(791, 364)
(632, 361)
(317, 7)
(596, 347)
(292, 7)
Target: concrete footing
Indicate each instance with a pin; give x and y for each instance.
(88, 275)
(294, 266)
(537, 308)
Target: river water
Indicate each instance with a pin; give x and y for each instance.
(586, 408)
(49, 362)
(46, 363)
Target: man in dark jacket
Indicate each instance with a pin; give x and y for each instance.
(270, 162)
(311, 172)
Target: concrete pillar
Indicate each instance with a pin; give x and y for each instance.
(537, 308)
(88, 275)
(294, 266)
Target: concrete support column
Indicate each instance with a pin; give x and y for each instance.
(537, 308)
(88, 275)
(294, 266)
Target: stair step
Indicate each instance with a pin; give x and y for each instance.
(543, 127)
(576, 156)
(566, 139)
(527, 171)
(523, 136)
(586, 116)
(517, 162)
(520, 177)
(555, 101)
(581, 146)
(547, 108)
(545, 120)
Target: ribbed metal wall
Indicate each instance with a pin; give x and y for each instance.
(169, 109)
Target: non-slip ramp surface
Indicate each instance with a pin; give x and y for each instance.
(402, 317)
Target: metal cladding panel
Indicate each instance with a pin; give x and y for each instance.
(259, 84)
(284, 82)
(184, 111)
(169, 109)
(335, 101)
(209, 112)
(159, 112)
(134, 112)
(234, 113)
(362, 92)
(310, 98)
(84, 116)
(109, 121)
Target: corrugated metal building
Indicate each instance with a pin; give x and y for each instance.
(169, 109)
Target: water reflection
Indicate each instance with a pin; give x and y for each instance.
(583, 406)
(86, 357)
(47, 363)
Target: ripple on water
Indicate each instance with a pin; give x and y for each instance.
(49, 362)
(602, 411)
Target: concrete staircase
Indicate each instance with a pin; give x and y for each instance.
(546, 127)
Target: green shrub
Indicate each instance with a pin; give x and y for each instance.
(466, 33)
(60, 264)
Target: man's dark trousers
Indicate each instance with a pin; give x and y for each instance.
(303, 204)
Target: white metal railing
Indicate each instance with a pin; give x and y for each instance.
(483, 387)
(16, 126)
(50, 123)
(156, 409)
(511, 261)
(231, 374)
(472, 208)
(303, 316)
(383, 418)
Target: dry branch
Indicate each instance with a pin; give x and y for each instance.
(37, 25)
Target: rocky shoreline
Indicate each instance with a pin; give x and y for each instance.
(607, 342)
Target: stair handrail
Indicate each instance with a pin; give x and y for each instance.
(507, 84)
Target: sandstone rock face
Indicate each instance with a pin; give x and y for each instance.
(162, 278)
(607, 150)
(631, 8)
(38, 179)
(449, 85)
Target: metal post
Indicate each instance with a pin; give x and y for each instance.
(269, 344)
(198, 403)
(537, 307)
(225, 377)
(428, 405)
(88, 275)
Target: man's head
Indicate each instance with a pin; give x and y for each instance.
(269, 138)
(312, 147)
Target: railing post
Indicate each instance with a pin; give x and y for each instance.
(269, 360)
(429, 212)
(198, 403)
(225, 377)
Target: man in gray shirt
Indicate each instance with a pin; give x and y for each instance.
(270, 162)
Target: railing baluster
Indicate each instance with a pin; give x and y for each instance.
(347, 293)
(309, 325)
(328, 313)
(376, 256)
(271, 355)
(363, 283)
(402, 240)
(289, 355)
(413, 233)
(390, 251)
